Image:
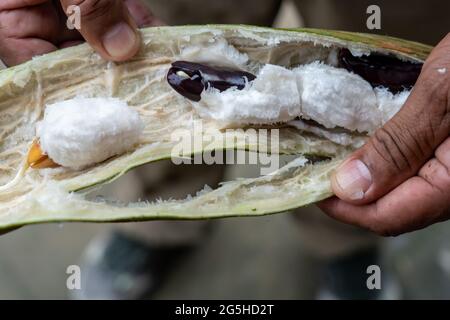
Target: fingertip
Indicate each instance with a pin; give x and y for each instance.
(361, 216)
(121, 42)
(109, 28)
(326, 203)
(328, 206)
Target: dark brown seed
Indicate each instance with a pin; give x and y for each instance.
(382, 70)
(190, 79)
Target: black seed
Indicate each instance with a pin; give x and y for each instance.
(382, 70)
(190, 79)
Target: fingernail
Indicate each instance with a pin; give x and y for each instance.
(120, 40)
(354, 179)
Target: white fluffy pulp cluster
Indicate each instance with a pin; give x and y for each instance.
(83, 131)
(331, 96)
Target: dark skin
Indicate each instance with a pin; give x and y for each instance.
(399, 181)
(34, 27)
(408, 161)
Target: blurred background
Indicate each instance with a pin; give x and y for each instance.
(254, 258)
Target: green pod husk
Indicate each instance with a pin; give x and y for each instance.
(38, 196)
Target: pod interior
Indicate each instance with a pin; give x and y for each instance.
(58, 194)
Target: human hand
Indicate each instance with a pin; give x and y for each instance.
(399, 181)
(34, 27)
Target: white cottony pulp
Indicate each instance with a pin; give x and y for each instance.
(343, 107)
(83, 131)
(332, 97)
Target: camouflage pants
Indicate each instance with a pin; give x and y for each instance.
(420, 20)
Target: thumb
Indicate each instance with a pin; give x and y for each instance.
(107, 26)
(397, 151)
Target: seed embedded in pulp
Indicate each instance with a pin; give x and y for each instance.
(382, 70)
(190, 79)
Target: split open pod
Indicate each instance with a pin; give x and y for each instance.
(71, 121)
